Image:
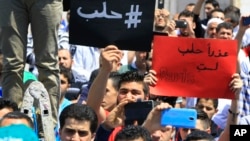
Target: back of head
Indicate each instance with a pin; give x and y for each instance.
(17, 132)
(232, 14)
(232, 17)
(79, 112)
(17, 115)
(232, 8)
(132, 132)
(198, 135)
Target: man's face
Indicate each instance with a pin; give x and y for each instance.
(75, 130)
(185, 131)
(64, 84)
(207, 106)
(132, 90)
(211, 30)
(189, 20)
(219, 15)
(65, 59)
(110, 98)
(225, 34)
(164, 134)
(208, 8)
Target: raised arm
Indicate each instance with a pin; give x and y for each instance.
(239, 36)
(198, 6)
(235, 85)
(199, 31)
(110, 54)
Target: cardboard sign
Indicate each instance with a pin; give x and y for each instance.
(126, 24)
(194, 67)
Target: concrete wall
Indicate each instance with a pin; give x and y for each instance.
(244, 6)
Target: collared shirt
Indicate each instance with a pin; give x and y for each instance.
(244, 98)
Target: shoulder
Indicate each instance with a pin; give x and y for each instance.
(245, 120)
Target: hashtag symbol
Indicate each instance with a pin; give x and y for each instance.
(133, 17)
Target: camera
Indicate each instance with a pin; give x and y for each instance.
(181, 24)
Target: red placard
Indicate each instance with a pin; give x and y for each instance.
(192, 67)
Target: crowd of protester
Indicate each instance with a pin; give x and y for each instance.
(96, 84)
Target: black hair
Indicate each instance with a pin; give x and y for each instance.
(225, 25)
(167, 99)
(115, 77)
(215, 101)
(186, 13)
(134, 76)
(66, 73)
(7, 103)
(199, 135)
(132, 132)
(18, 115)
(217, 10)
(215, 3)
(61, 48)
(79, 112)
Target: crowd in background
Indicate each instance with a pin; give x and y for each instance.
(96, 83)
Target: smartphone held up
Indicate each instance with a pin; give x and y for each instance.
(179, 117)
(137, 111)
(181, 24)
(246, 20)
